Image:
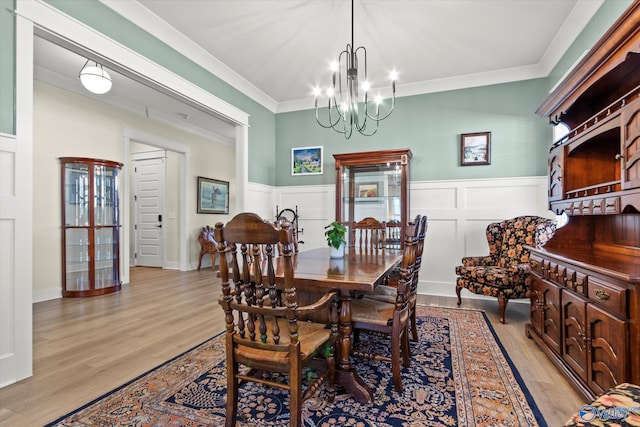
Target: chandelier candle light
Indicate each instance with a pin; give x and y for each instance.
(343, 112)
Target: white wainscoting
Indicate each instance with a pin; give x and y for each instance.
(458, 211)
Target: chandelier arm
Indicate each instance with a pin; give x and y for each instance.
(330, 125)
(393, 104)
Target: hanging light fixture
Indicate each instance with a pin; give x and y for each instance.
(95, 78)
(348, 83)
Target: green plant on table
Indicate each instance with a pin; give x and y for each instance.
(335, 233)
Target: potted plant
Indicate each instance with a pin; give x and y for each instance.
(335, 233)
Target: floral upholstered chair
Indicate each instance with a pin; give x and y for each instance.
(504, 274)
(618, 407)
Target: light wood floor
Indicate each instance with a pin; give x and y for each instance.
(85, 347)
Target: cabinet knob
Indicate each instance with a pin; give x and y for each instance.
(619, 156)
(602, 295)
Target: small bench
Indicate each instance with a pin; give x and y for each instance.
(619, 407)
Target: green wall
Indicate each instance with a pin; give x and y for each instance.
(430, 125)
(7, 67)
(261, 120)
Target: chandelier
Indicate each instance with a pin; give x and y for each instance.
(349, 107)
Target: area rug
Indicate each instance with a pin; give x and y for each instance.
(459, 376)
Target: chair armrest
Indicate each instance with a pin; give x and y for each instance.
(318, 305)
(469, 261)
(517, 271)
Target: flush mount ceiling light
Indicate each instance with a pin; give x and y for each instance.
(349, 87)
(95, 78)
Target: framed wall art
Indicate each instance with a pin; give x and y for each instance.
(213, 196)
(475, 149)
(306, 161)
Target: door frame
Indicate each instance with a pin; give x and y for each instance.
(134, 135)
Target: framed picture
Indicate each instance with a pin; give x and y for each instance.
(475, 149)
(306, 161)
(213, 196)
(366, 190)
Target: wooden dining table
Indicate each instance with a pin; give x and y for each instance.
(359, 270)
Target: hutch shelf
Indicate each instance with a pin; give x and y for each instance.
(90, 227)
(585, 288)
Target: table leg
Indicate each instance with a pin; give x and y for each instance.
(346, 375)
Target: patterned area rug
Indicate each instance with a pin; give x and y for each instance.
(459, 376)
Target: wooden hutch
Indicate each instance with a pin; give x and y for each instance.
(585, 292)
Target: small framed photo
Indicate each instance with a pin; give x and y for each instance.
(213, 196)
(367, 190)
(306, 161)
(475, 149)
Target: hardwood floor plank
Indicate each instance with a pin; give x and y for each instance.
(85, 347)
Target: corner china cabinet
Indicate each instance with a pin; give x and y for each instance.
(585, 289)
(90, 227)
(374, 184)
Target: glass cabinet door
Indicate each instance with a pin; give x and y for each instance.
(374, 184)
(90, 218)
(372, 191)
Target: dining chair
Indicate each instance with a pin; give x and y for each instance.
(368, 315)
(394, 234)
(368, 233)
(264, 330)
(388, 293)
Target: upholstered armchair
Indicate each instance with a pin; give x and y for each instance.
(504, 273)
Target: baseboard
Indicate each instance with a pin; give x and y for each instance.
(46, 294)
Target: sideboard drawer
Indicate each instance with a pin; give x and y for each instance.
(608, 295)
(576, 281)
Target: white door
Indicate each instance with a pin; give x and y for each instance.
(149, 180)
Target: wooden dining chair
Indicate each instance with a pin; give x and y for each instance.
(389, 293)
(263, 330)
(368, 315)
(368, 233)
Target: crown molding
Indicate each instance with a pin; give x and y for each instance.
(154, 25)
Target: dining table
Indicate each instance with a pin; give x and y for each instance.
(359, 270)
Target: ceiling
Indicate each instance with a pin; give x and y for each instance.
(276, 51)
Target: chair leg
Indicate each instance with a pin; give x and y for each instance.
(458, 289)
(414, 326)
(331, 374)
(200, 260)
(395, 360)
(502, 307)
(406, 350)
(232, 394)
(295, 393)
(213, 260)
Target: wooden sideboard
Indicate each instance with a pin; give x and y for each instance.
(585, 288)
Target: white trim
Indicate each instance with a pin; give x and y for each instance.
(16, 217)
(575, 23)
(60, 28)
(152, 24)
